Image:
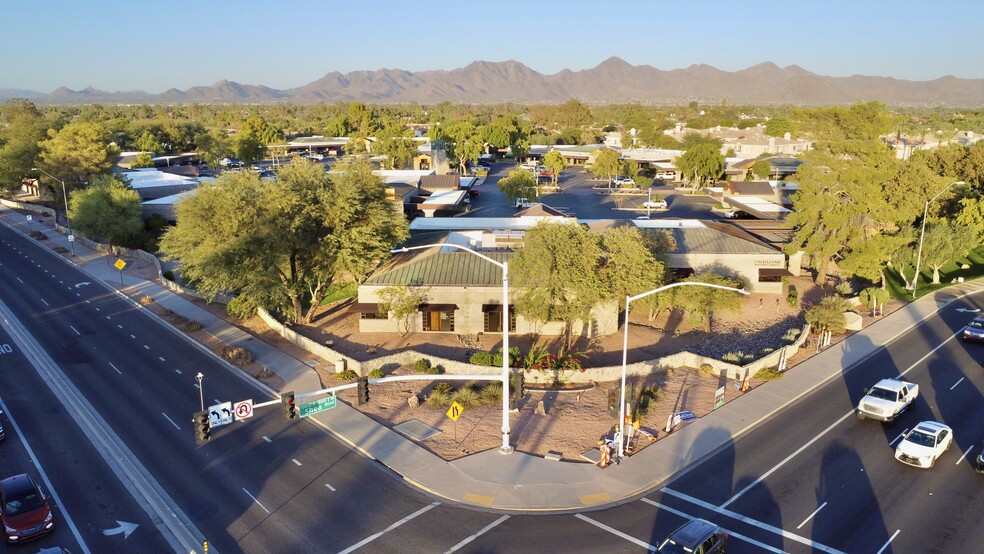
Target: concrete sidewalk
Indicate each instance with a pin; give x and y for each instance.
(520, 482)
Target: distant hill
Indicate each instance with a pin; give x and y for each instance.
(613, 80)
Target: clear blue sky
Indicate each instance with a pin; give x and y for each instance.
(152, 46)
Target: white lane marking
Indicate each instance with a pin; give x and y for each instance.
(216, 400)
(297, 463)
(749, 540)
(255, 500)
(19, 279)
(617, 533)
(44, 477)
(481, 532)
(375, 536)
(902, 434)
(97, 309)
(133, 336)
(196, 385)
(957, 383)
(45, 303)
(146, 347)
(331, 488)
(161, 358)
(787, 458)
(178, 371)
(116, 368)
(172, 422)
(827, 430)
(965, 454)
(748, 520)
(118, 326)
(882, 549)
(76, 330)
(811, 515)
(266, 438)
(108, 317)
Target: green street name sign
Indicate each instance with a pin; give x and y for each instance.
(319, 405)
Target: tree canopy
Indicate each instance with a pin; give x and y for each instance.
(279, 244)
(108, 210)
(701, 163)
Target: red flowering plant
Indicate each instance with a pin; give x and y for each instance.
(560, 367)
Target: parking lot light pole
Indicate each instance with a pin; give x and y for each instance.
(922, 233)
(625, 345)
(71, 238)
(506, 448)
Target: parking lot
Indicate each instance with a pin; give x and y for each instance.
(578, 197)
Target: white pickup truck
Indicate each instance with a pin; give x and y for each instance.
(887, 399)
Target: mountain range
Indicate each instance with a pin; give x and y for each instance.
(613, 80)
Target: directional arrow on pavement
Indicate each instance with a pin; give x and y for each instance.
(968, 311)
(122, 527)
(82, 284)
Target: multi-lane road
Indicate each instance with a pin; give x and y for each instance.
(122, 384)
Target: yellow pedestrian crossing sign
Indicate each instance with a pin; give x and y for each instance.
(454, 412)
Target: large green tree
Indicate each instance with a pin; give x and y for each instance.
(703, 302)
(946, 242)
(557, 272)
(700, 164)
(394, 142)
(554, 161)
(77, 152)
(214, 146)
(277, 244)
(22, 128)
(108, 210)
(519, 184)
(606, 164)
(464, 142)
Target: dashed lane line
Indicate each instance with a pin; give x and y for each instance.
(892, 538)
(815, 512)
(964, 454)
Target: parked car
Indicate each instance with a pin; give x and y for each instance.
(655, 204)
(887, 399)
(544, 172)
(697, 535)
(623, 182)
(924, 444)
(737, 214)
(974, 330)
(528, 166)
(524, 203)
(24, 509)
(316, 156)
(979, 464)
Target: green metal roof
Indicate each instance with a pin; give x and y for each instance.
(434, 268)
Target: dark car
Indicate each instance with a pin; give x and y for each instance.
(697, 536)
(974, 330)
(24, 509)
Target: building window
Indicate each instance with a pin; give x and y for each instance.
(772, 275)
(493, 318)
(373, 315)
(439, 318)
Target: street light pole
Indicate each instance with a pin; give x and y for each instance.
(506, 448)
(625, 345)
(71, 237)
(922, 233)
(201, 391)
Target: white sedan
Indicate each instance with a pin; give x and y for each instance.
(924, 444)
(655, 204)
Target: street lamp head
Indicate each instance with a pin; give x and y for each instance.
(399, 250)
(743, 291)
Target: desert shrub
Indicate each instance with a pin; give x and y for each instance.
(422, 365)
(843, 288)
(706, 370)
(769, 374)
(468, 397)
(872, 295)
(792, 297)
(483, 358)
(514, 357)
(346, 375)
(168, 274)
(733, 357)
(827, 315)
(146, 300)
(38, 235)
(376, 373)
(192, 326)
(768, 350)
(791, 335)
(236, 355)
(446, 388)
(438, 398)
(492, 393)
(647, 397)
(166, 313)
(60, 249)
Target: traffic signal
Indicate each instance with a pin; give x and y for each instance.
(288, 406)
(203, 427)
(363, 389)
(613, 403)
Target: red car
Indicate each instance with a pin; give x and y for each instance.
(24, 509)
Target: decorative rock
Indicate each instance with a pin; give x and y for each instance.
(852, 321)
(540, 410)
(414, 400)
(553, 455)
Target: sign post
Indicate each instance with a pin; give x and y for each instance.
(454, 412)
(119, 265)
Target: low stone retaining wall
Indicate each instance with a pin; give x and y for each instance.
(609, 373)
